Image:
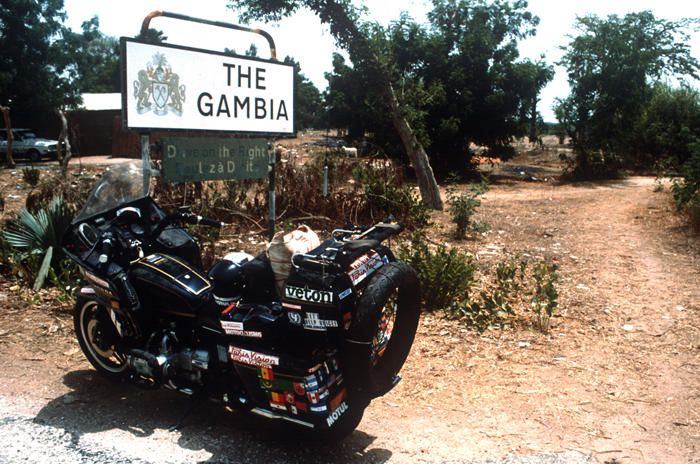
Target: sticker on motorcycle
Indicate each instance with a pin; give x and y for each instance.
(252, 358)
(308, 295)
(344, 293)
(236, 328)
(335, 415)
(318, 408)
(294, 317)
(314, 322)
(363, 266)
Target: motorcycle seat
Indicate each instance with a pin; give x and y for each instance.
(355, 245)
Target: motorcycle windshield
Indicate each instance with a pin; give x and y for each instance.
(119, 184)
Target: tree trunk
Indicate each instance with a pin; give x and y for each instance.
(63, 141)
(430, 193)
(533, 121)
(10, 138)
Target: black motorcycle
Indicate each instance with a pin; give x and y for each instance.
(314, 354)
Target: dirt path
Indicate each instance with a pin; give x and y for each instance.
(616, 377)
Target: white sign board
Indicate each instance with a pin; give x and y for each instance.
(173, 87)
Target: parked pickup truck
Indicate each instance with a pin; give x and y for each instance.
(26, 144)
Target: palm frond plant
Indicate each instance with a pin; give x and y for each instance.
(37, 237)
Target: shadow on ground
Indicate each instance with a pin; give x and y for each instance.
(96, 405)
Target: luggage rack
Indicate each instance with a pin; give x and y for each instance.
(347, 240)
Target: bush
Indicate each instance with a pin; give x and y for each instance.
(462, 204)
(31, 176)
(74, 190)
(444, 275)
(34, 240)
(544, 294)
(383, 198)
(686, 192)
(519, 290)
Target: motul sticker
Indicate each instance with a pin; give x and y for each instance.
(308, 295)
(252, 358)
(363, 266)
(314, 322)
(236, 328)
(335, 415)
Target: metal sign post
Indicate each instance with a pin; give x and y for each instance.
(271, 174)
(180, 88)
(146, 160)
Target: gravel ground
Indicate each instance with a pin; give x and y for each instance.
(36, 439)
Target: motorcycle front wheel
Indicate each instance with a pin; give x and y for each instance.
(98, 338)
(383, 328)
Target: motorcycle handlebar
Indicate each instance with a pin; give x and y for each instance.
(191, 218)
(209, 222)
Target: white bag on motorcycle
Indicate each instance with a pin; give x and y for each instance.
(283, 246)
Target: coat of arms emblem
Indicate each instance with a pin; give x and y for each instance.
(158, 88)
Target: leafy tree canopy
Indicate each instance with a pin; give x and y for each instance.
(612, 65)
(458, 79)
(32, 64)
(308, 105)
(92, 58)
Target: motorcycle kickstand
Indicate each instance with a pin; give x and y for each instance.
(194, 401)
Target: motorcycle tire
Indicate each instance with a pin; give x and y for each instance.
(97, 337)
(383, 328)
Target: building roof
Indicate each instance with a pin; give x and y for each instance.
(101, 101)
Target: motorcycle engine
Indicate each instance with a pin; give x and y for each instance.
(165, 362)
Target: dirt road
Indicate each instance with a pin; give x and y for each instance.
(615, 379)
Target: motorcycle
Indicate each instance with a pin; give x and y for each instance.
(313, 351)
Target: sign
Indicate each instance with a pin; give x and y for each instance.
(197, 159)
(182, 88)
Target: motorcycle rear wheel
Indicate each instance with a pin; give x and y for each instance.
(97, 337)
(383, 328)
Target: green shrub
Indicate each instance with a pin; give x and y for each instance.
(462, 204)
(445, 276)
(522, 293)
(686, 192)
(544, 294)
(31, 176)
(491, 310)
(35, 239)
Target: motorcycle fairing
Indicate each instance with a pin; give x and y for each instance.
(168, 284)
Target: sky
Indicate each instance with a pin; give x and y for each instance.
(310, 44)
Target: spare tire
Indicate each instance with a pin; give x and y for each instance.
(382, 329)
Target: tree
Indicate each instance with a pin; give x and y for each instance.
(612, 65)
(152, 35)
(92, 58)
(489, 94)
(668, 127)
(10, 138)
(459, 81)
(348, 100)
(351, 33)
(308, 107)
(32, 65)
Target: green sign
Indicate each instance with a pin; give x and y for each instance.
(196, 159)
